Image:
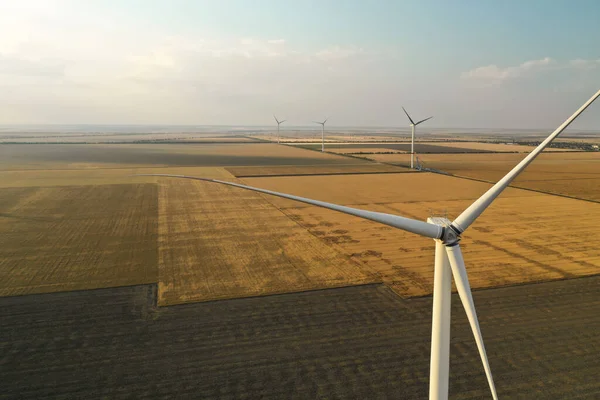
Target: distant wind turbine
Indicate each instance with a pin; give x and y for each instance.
(449, 262)
(413, 124)
(278, 123)
(322, 133)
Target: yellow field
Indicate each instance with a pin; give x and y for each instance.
(572, 174)
(77, 237)
(216, 242)
(314, 169)
(522, 238)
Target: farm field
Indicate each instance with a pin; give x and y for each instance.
(358, 342)
(420, 147)
(363, 168)
(520, 239)
(575, 174)
(120, 138)
(75, 156)
(497, 147)
(218, 242)
(77, 237)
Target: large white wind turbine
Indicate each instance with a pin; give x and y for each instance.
(322, 133)
(413, 124)
(278, 123)
(448, 260)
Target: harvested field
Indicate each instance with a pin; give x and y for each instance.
(358, 149)
(360, 342)
(420, 147)
(85, 156)
(218, 242)
(364, 168)
(521, 238)
(99, 176)
(573, 174)
(77, 237)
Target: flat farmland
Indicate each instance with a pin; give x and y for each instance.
(420, 147)
(218, 242)
(77, 237)
(85, 156)
(362, 168)
(575, 174)
(520, 239)
(496, 147)
(360, 342)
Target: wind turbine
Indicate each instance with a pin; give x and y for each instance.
(322, 133)
(449, 262)
(278, 123)
(413, 124)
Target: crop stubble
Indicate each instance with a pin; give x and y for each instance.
(77, 237)
(524, 237)
(216, 242)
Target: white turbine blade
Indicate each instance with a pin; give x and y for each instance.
(409, 118)
(282, 121)
(459, 272)
(276, 120)
(325, 120)
(468, 216)
(410, 225)
(423, 120)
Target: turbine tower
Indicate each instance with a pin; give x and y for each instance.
(413, 124)
(322, 133)
(449, 262)
(278, 123)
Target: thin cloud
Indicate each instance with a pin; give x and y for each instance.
(493, 74)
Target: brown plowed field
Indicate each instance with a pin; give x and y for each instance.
(362, 168)
(77, 156)
(361, 343)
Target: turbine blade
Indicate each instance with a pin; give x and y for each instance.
(409, 118)
(468, 216)
(406, 224)
(423, 120)
(276, 120)
(325, 120)
(282, 121)
(459, 272)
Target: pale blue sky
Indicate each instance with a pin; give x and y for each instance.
(489, 64)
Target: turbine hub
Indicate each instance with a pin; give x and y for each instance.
(450, 235)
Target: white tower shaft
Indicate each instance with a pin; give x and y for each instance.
(440, 326)
(412, 147)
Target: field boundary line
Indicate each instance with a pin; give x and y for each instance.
(321, 174)
(283, 293)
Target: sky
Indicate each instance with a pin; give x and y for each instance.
(470, 64)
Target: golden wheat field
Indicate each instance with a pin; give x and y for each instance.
(218, 242)
(77, 237)
(520, 239)
(575, 174)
